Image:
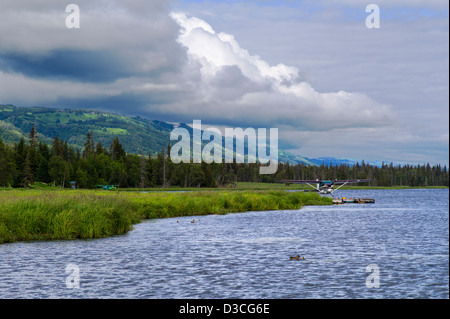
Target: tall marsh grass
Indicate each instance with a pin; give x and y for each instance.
(72, 214)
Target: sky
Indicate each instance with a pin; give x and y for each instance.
(313, 69)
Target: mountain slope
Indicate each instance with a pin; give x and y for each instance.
(136, 134)
(341, 161)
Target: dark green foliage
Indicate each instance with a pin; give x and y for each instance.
(116, 150)
(38, 215)
(387, 175)
(7, 165)
(24, 163)
(72, 126)
(34, 161)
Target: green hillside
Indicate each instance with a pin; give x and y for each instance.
(136, 134)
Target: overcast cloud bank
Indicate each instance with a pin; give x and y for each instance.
(146, 58)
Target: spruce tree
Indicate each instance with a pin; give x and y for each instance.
(27, 174)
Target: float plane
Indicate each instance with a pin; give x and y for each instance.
(324, 186)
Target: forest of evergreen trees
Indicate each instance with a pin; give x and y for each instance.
(32, 161)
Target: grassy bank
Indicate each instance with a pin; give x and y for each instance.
(239, 186)
(272, 186)
(70, 214)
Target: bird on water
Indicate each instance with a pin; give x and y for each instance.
(296, 258)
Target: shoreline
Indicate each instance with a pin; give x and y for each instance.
(38, 214)
(241, 186)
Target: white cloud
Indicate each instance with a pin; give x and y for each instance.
(268, 95)
(216, 50)
(312, 69)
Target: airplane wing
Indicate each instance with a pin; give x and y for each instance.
(351, 181)
(299, 181)
(312, 181)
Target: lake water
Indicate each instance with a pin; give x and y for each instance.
(404, 236)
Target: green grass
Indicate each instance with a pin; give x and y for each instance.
(269, 186)
(48, 213)
(239, 186)
(42, 214)
(37, 215)
(116, 131)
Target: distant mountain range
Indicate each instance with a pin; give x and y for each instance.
(136, 134)
(338, 161)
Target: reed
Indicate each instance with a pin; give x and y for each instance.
(82, 214)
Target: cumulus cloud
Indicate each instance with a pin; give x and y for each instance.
(238, 87)
(216, 50)
(136, 57)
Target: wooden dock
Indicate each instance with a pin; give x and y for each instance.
(353, 200)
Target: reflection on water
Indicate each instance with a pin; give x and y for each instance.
(405, 233)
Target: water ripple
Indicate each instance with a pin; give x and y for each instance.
(405, 233)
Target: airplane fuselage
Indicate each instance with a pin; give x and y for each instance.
(325, 187)
(326, 190)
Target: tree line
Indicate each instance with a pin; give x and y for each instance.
(27, 162)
